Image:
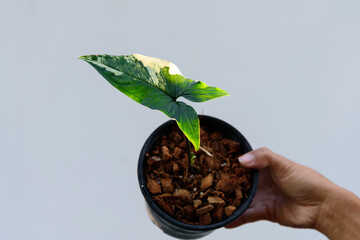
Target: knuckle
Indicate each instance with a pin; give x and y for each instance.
(265, 154)
(264, 151)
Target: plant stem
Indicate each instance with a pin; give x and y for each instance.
(190, 156)
(189, 150)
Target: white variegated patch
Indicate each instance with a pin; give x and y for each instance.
(157, 64)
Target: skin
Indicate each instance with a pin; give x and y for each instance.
(296, 196)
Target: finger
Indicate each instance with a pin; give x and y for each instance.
(251, 215)
(264, 158)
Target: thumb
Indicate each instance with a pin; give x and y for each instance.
(264, 158)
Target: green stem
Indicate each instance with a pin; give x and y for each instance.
(191, 157)
(189, 150)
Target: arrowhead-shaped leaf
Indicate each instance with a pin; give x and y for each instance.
(156, 84)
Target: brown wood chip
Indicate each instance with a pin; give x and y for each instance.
(166, 207)
(175, 167)
(229, 210)
(222, 149)
(177, 152)
(204, 209)
(212, 162)
(183, 193)
(239, 194)
(197, 203)
(216, 136)
(243, 179)
(153, 186)
(184, 161)
(203, 196)
(165, 153)
(218, 194)
(167, 185)
(165, 195)
(240, 171)
(150, 161)
(206, 182)
(231, 145)
(218, 214)
(225, 184)
(216, 200)
(205, 219)
(176, 137)
(188, 212)
(183, 144)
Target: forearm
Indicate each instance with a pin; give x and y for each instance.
(339, 217)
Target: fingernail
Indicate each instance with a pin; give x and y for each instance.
(247, 159)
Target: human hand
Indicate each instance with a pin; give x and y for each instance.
(296, 196)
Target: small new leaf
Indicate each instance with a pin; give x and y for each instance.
(157, 84)
(192, 158)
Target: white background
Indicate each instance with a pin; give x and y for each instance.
(69, 141)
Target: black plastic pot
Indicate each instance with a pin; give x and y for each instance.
(170, 225)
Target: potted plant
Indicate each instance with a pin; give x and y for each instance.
(188, 170)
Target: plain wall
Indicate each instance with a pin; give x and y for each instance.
(69, 141)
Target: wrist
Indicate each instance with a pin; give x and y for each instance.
(339, 217)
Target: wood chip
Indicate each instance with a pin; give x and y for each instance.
(205, 219)
(188, 212)
(183, 193)
(212, 162)
(231, 145)
(206, 182)
(216, 201)
(204, 209)
(153, 186)
(222, 149)
(175, 167)
(240, 170)
(177, 152)
(204, 195)
(167, 185)
(203, 133)
(243, 179)
(155, 152)
(218, 194)
(184, 162)
(183, 144)
(166, 207)
(239, 194)
(165, 153)
(229, 210)
(225, 184)
(150, 161)
(176, 137)
(215, 146)
(216, 136)
(218, 214)
(197, 203)
(166, 195)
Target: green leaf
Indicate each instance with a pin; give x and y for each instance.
(157, 84)
(188, 122)
(195, 91)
